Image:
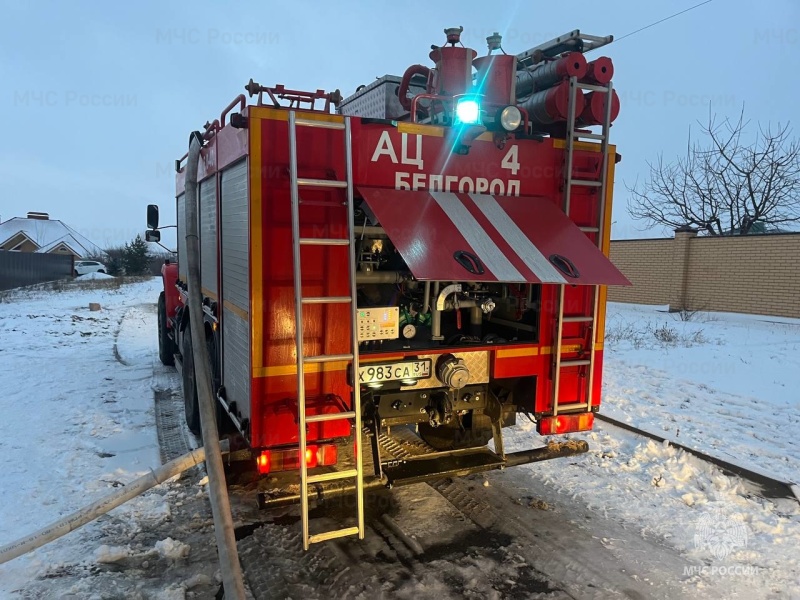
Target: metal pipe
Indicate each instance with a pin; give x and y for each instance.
(405, 83)
(436, 316)
(363, 277)
(426, 300)
(468, 303)
(322, 493)
(230, 568)
(240, 100)
(475, 320)
(475, 315)
(441, 298)
(441, 304)
(445, 100)
(557, 450)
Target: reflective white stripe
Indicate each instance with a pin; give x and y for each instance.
(516, 238)
(483, 246)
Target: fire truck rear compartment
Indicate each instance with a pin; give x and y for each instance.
(459, 297)
(476, 313)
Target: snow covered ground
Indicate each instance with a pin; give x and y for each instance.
(724, 384)
(78, 420)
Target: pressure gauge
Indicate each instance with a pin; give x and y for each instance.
(409, 331)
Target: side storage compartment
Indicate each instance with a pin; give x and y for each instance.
(180, 210)
(208, 237)
(235, 268)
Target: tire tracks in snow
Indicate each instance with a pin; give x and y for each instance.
(117, 355)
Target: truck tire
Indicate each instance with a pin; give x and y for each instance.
(224, 423)
(166, 346)
(190, 403)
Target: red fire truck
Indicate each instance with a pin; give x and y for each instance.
(427, 255)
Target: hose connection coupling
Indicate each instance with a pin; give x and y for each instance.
(488, 306)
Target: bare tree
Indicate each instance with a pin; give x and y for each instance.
(728, 186)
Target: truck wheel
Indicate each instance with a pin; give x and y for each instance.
(166, 346)
(223, 422)
(190, 403)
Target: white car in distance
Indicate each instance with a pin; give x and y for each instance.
(82, 267)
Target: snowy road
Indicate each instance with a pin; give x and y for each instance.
(630, 519)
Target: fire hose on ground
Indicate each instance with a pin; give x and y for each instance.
(96, 509)
(231, 570)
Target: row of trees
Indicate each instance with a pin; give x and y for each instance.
(726, 184)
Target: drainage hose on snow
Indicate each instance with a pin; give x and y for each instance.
(101, 507)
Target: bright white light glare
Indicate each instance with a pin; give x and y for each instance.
(468, 111)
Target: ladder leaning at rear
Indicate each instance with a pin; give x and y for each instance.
(300, 300)
(590, 321)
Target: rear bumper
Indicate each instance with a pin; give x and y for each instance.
(431, 467)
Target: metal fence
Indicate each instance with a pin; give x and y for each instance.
(18, 269)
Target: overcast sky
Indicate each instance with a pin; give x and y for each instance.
(98, 98)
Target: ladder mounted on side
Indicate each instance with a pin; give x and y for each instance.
(589, 321)
(302, 360)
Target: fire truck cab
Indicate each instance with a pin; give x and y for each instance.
(427, 255)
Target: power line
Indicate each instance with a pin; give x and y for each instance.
(662, 20)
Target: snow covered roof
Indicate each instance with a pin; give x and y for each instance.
(48, 234)
(69, 241)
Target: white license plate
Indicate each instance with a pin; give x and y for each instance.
(398, 371)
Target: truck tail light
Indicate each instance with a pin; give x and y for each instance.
(270, 461)
(311, 457)
(565, 424)
(327, 455)
(263, 462)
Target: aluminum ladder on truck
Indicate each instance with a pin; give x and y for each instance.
(559, 363)
(302, 360)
